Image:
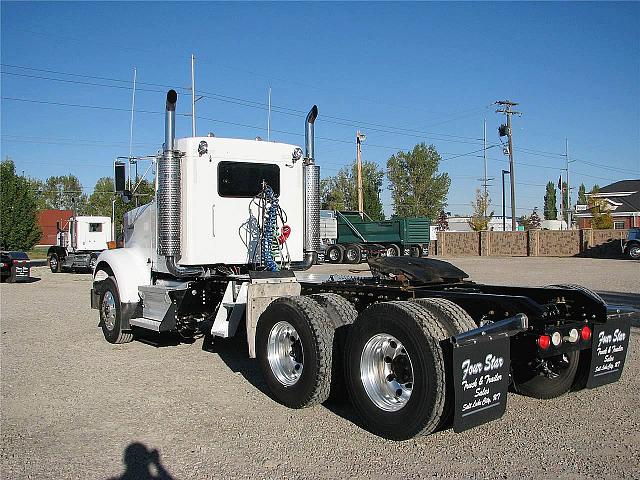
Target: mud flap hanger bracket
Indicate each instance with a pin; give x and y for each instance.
(508, 327)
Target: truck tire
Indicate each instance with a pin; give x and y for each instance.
(335, 253)
(54, 263)
(294, 348)
(395, 369)
(393, 250)
(455, 320)
(352, 254)
(633, 251)
(532, 382)
(111, 313)
(585, 290)
(93, 261)
(415, 251)
(342, 315)
(452, 316)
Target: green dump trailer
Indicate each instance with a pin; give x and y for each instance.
(350, 238)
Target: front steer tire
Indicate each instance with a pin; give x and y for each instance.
(54, 263)
(310, 336)
(417, 334)
(111, 313)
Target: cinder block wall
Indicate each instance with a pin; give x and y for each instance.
(545, 243)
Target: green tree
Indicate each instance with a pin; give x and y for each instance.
(582, 195)
(19, 228)
(565, 202)
(550, 209)
(340, 192)
(480, 218)
(62, 192)
(534, 220)
(417, 189)
(100, 202)
(601, 215)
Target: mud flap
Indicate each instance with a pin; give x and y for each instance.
(481, 380)
(608, 352)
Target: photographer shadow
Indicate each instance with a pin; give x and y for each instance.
(141, 463)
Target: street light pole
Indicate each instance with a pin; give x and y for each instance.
(360, 137)
(504, 226)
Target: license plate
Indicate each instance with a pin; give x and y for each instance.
(481, 381)
(609, 350)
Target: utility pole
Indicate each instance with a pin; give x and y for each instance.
(193, 95)
(506, 109)
(360, 137)
(568, 206)
(485, 180)
(504, 226)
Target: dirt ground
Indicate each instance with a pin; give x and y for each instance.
(74, 406)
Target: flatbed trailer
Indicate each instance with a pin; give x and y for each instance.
(417, 347)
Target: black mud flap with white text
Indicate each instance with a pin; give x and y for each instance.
(608, 352)
(481, 381)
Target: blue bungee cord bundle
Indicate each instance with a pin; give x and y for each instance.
(269, 229)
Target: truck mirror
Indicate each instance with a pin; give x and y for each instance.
(120, 176)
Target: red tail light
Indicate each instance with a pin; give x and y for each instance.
(544, 341)
(585, 333)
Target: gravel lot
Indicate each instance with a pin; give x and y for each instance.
(74, 406)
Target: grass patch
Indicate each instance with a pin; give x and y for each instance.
(38, 253)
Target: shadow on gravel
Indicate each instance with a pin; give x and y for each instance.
(159, 340)
(26, 280)
(234, 352)
(141, 463)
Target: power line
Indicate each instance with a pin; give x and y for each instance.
(342, 121)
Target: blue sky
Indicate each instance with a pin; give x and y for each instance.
(401, 72)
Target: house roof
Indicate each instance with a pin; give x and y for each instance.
(630, 203)
(622, 186)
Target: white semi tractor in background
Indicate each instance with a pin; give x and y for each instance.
(79, 242)
(416, 347)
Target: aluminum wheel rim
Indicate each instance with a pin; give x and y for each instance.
(351, 255)
(391, 252)
(386, 372)
(53, 262)
(285, 354)
(109, 310)
(92, 263)
(333, 254)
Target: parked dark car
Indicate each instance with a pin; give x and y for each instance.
(631, 246)
(14, 267)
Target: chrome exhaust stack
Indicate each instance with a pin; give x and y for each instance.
(311, 179)
(169, 196)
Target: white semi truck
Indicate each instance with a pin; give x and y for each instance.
(79, 242)
(416, 347)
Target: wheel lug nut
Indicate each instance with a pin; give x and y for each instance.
(398, 392)
(387, 359)
(393, 344)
